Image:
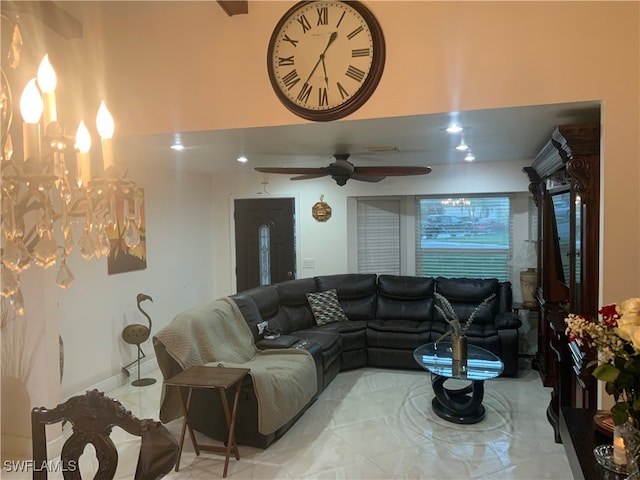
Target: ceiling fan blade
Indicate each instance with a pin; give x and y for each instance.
(292, 171)
(391, 171)
(366, 178)
(309, 176)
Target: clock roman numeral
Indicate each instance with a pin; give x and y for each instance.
(306, 26)
(355, 73)
(285, 61)
(290, 40)
(340, 20)
(355, 32)
(303, 96)
(323, 99)
(290, 79)
(323, 16)
(360, 52)
(343, 93)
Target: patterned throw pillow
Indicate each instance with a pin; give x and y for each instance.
(326, 307)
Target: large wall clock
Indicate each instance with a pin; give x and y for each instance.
(325, 58)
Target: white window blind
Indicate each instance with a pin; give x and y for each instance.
(463, 237)
(379, 236)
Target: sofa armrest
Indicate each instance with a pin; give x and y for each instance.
(508, 320)
(283, 341)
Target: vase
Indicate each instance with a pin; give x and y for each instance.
(631, 435)
(459, 354)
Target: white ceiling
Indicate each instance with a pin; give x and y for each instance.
(505, 134)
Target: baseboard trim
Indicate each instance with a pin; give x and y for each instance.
(119, 379)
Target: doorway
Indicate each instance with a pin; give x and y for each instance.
(265, 241)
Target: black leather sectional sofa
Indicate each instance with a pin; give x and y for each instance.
(388, 317)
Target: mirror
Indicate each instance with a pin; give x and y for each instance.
(562, 213)
(578, 258)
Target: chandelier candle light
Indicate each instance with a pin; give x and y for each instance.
(52, 184)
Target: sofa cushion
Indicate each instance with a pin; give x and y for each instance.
(268, 304)
(405, 298)
(398, 334)
(466, 294)
(294, 305)
(250, 312)
(353, 334)
(475, 331)
(357, 293)
(325, 307)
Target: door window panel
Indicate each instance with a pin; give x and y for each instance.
(264, 237)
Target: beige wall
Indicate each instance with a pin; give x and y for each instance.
(187, 66)
(441, 56)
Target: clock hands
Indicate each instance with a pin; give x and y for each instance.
(332, 38)
(324, 67)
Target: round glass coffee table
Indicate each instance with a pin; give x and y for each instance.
(461, 405)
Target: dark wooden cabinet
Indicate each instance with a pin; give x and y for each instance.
(565, 182)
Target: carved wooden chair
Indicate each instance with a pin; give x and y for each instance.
(93, 415)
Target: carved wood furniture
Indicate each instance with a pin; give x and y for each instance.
(93, 415)
(565, 183)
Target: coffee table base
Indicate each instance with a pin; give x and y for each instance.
(463, 405)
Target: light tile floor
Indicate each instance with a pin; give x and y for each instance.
(377, 424)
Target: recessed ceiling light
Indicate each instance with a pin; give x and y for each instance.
(469, 157)
(243, 159)
(178, 147)
(463, 147)
(454, 128)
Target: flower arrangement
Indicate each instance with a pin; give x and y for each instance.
(616, 337)
(458, 329)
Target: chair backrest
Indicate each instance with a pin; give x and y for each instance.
(92, 416)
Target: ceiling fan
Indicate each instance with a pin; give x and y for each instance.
(342, 170)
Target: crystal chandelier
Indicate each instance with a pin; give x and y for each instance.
(49, 191)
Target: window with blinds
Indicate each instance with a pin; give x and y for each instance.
(463, 237)
(379, 236)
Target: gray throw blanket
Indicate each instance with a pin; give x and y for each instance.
(216, 334)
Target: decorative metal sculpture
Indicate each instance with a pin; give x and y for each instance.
(135, 334)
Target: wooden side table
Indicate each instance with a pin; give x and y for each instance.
(220, 378)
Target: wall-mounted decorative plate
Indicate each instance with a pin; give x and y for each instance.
(321, 211)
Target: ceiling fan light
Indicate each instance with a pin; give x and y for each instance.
(178, 147)
(469, 157)
(242, 159)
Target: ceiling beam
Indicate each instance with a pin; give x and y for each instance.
(234, 7)
(53, 16)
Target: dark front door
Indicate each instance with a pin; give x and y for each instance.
(265, 246)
